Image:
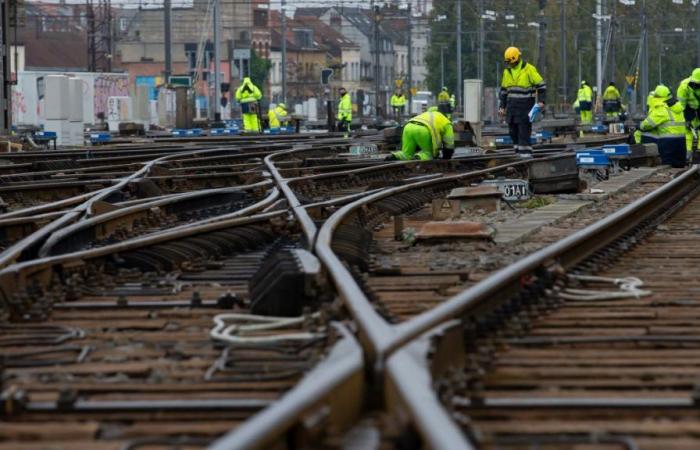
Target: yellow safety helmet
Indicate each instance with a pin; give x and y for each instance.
(282, 105)
(512, 55)
(695, 76)
(662, 92)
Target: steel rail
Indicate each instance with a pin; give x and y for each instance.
(121, 213)
(405, 378)
(390, 347)
(606, 402)
(369, 321)
(85, 208)
(398, 165)
(338, 379)
(47, 207)
(409, 380)
(308, 226)
(15, 274)
(261, 205)
(565, 253)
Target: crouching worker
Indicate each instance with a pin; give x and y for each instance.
(423, 136)
(665, 126)
(278, 117)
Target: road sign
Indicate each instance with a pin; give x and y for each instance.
(241, 53)
(183, 80)
(326, 75)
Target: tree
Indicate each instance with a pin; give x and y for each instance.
(259, 69)
(672, 41)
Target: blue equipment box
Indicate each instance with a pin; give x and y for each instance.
(100, 138)
(598, 128)
(234, 123)
(595, 157)
(223, 131)
(534, 138)
(187, 132)
(617, 150)
(45, 135)
(504, 140)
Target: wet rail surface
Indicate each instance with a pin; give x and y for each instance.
(133, 326)
(125, 290)
(594, 362)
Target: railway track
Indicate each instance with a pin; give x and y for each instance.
(604, 363)
(134, 317)
(394, 347)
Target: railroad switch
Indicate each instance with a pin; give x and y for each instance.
(285, 284)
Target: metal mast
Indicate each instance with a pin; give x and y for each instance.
(99, 15)
(217, 60)
(458, 97)
(167, 41)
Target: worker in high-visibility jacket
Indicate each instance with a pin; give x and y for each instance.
(248, 96)
(611, 102)
(688, 95)
(651, 101)
(424, 135)
(443, 100)
(344, 115)
(398, 103)
(278, 116)
(521, 87)
(665, 126)
(585, 102)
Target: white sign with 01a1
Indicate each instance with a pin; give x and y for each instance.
(512, 189)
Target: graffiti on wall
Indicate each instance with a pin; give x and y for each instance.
(107, 86)
(19, 105)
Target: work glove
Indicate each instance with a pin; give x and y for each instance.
(447, 153)
(391, 157)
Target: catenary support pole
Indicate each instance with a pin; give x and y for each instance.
(167, 41)
(217, 60)
(645, 59)
(598, 47)
(459, 80)
(410, 59)
(562, 37)
(283, 23)
(541, 56)
(480, 74)
(442, 65)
